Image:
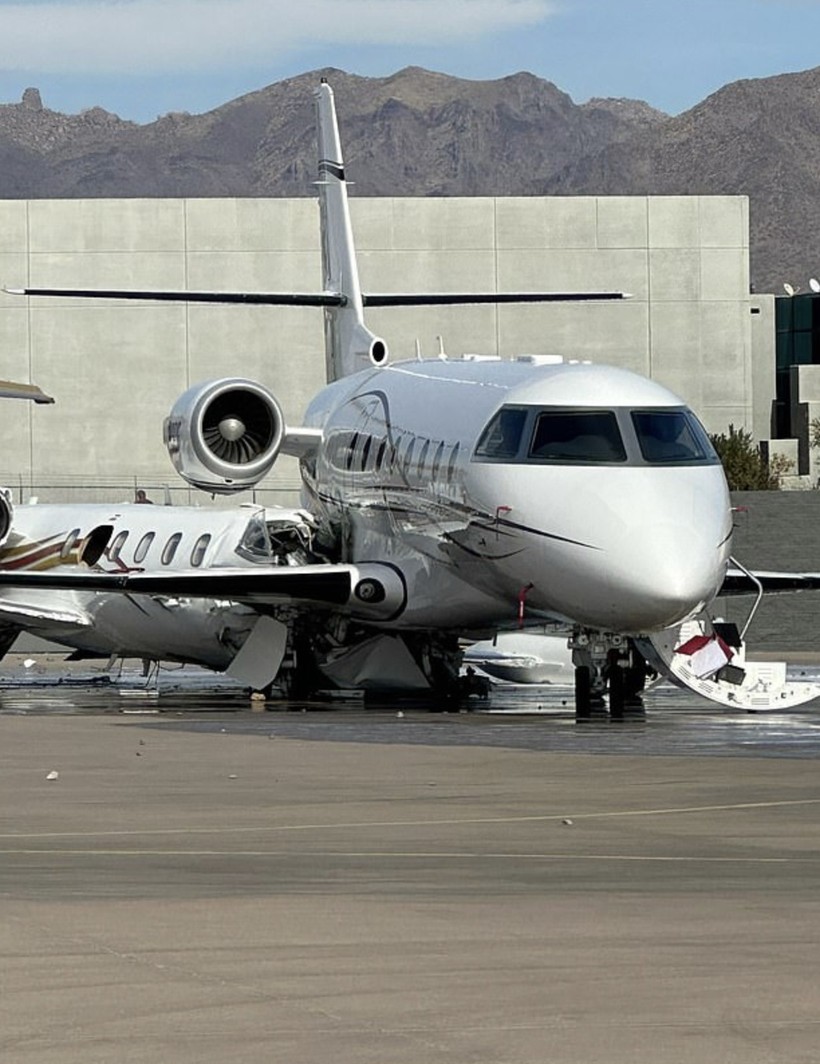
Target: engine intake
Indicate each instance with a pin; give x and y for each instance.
(223, 436)
(6, 515)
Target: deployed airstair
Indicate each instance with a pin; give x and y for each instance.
(737, 681)
(741, 684)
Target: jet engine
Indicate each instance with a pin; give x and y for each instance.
(6, 515)
(223, 436)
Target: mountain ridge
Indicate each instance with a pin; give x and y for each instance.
(422, 133)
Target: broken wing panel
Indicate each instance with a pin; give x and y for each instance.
(34, 615)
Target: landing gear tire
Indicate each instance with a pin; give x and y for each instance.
(583, 692)
(617, 688)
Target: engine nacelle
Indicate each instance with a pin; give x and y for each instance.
(6, 515)
(223, 436)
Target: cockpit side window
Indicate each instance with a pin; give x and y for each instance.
(577, 436)
(255, 544)
(672, 435)
(501, 439)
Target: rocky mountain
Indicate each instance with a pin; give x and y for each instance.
(418, 133)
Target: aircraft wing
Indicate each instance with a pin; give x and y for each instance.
(13, 390)
(739, 582)
(373, 591)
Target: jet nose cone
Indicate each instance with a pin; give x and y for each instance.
(665, 574)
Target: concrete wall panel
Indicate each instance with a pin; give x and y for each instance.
(677, 350)
(424, 225)
(604, 332)
(724, 273)
(106, 269)
(623, 222)
(674, 274)
(14, 267)
(674, 221)
(248, 225)
(555, 223)
(254, 271)
(724, 221)
(573, 271)
(106, 225)
(410, 270)
(13, 230)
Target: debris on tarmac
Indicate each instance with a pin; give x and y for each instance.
(53, 775)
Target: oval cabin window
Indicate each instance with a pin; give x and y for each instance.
(170, 548)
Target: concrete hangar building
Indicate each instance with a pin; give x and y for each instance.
(115, 368)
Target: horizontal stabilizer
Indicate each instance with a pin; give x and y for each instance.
(274, 299)
(326, 299)
(443, 299)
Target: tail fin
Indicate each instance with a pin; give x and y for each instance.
(349, 344)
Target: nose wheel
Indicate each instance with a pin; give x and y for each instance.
(609, 672)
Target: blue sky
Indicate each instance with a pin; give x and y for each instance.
(144, 58)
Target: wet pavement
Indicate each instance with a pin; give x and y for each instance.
(525, 717)
(188, 876)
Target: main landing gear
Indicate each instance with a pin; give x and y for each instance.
(607, 666)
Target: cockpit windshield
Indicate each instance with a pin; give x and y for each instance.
(502, 437)
(530, 434)
(671, 436)
(577, 436)
(562, 436)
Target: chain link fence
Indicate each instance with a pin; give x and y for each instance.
(84, 489)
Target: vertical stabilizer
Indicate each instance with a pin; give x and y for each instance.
(349, 344)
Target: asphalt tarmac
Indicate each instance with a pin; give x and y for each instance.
(206, 882)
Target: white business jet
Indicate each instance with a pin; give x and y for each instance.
(452, 497)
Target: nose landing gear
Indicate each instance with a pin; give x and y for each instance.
(607, 666)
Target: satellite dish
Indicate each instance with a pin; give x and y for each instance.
(788, 289)
(814, 284)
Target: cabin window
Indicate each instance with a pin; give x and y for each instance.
(669, 436)
(170, 548)
(437, 457)
(368, 443)
(577, 436)
(380, 453)
(501, 439)
(71, 541)
(408, 454)
(354, 439)
(198, 553)
(425, 450)
(143, 547)
(115, 549)
(451, 464)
